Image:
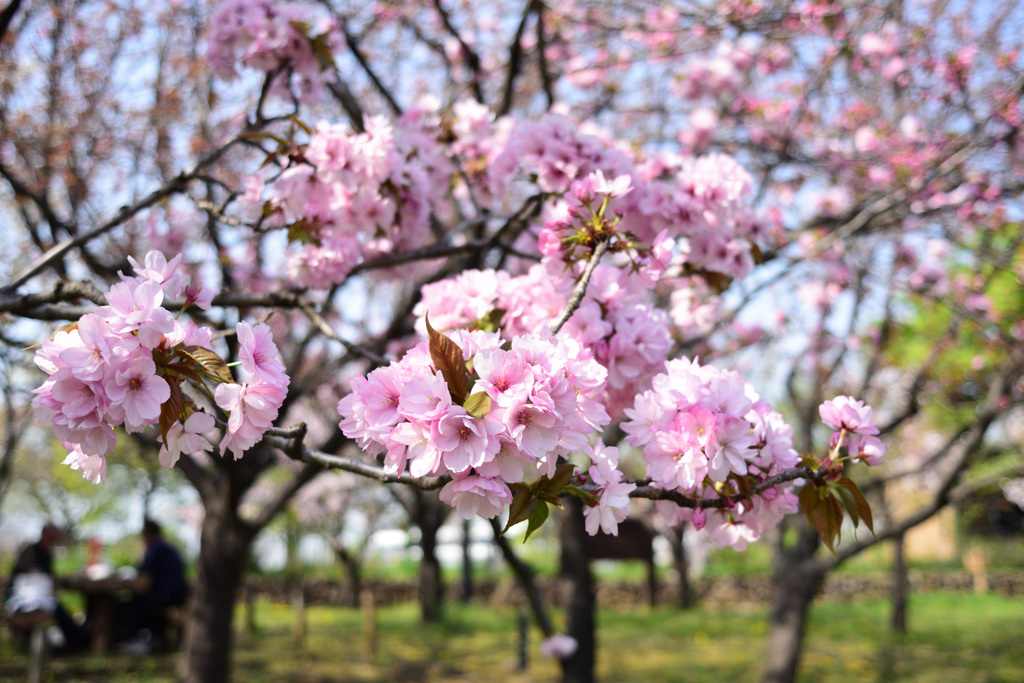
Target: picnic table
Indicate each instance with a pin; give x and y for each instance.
(101, 598)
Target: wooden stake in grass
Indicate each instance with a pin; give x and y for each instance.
(369, 624)
(299, 603)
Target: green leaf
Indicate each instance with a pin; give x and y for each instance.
(808, 460)
(550, 488)
(861, 503)
(478, 404)
(447, 358)
(492, 321)
(537, 519)
(170, 410)
(208, 361)
(523, 505)
(303, 231)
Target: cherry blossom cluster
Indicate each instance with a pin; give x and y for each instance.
(528, 404)
(855, 429)
(252, 405)
(705, 433)
(267, 36)
(613, 497)
(124, 363)
(356, 195)
(626, 334)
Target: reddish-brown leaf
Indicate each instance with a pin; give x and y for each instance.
(210, 362)
(809, 502)
(448, 360)
(863, 509)
(170, 410)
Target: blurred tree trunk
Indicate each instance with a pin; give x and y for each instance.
(467, 561)
(526, 577)
(795, 581)
(219, 570)
(353, 571)
(899, 585)
(428, 514)
(686, 598)
(578, 592)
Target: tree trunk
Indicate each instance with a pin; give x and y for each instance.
(794, 585)
(899, 585)
(467, 562)
(685, 597)
(429, 516)
(350, 561)
(527, 579)
(579, 594)
(219, 570)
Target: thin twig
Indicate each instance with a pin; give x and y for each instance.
(576, 298)
(177, 184)
(307, 307)
(294, 448)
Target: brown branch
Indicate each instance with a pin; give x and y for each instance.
(515, 57)
(547, 82)
(472, 58)
(7, 15)
(295, 449)
(657, 493)
(353, 46)
(61, 291)
(174, 186)
(283, 495)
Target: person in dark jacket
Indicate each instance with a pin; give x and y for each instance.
(160, 584)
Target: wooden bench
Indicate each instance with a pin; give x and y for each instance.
(35, 623)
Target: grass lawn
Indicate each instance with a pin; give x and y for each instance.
(953, 637)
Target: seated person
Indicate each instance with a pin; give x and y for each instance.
(160, 584)
(36, 558)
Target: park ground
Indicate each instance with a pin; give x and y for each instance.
(952, 637)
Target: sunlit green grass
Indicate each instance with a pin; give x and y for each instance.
(953, 637)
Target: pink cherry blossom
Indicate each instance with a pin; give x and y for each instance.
(475, 496)
(139, 392)
(186, 438)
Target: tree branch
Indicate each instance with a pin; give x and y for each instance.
(7, 15)
(176, 185)
(515, 56)
(295, 449)
(472, 58)
(576, 298)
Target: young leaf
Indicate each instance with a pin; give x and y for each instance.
(523, 505)
(849, 503)
(209, 361)
(809, 501)
(490, 322)
(171, 409)
(304, 231)
(447, 358)
(537, 519)
(863, 509)
(549, 489)
(563, 474)
(478, 404)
